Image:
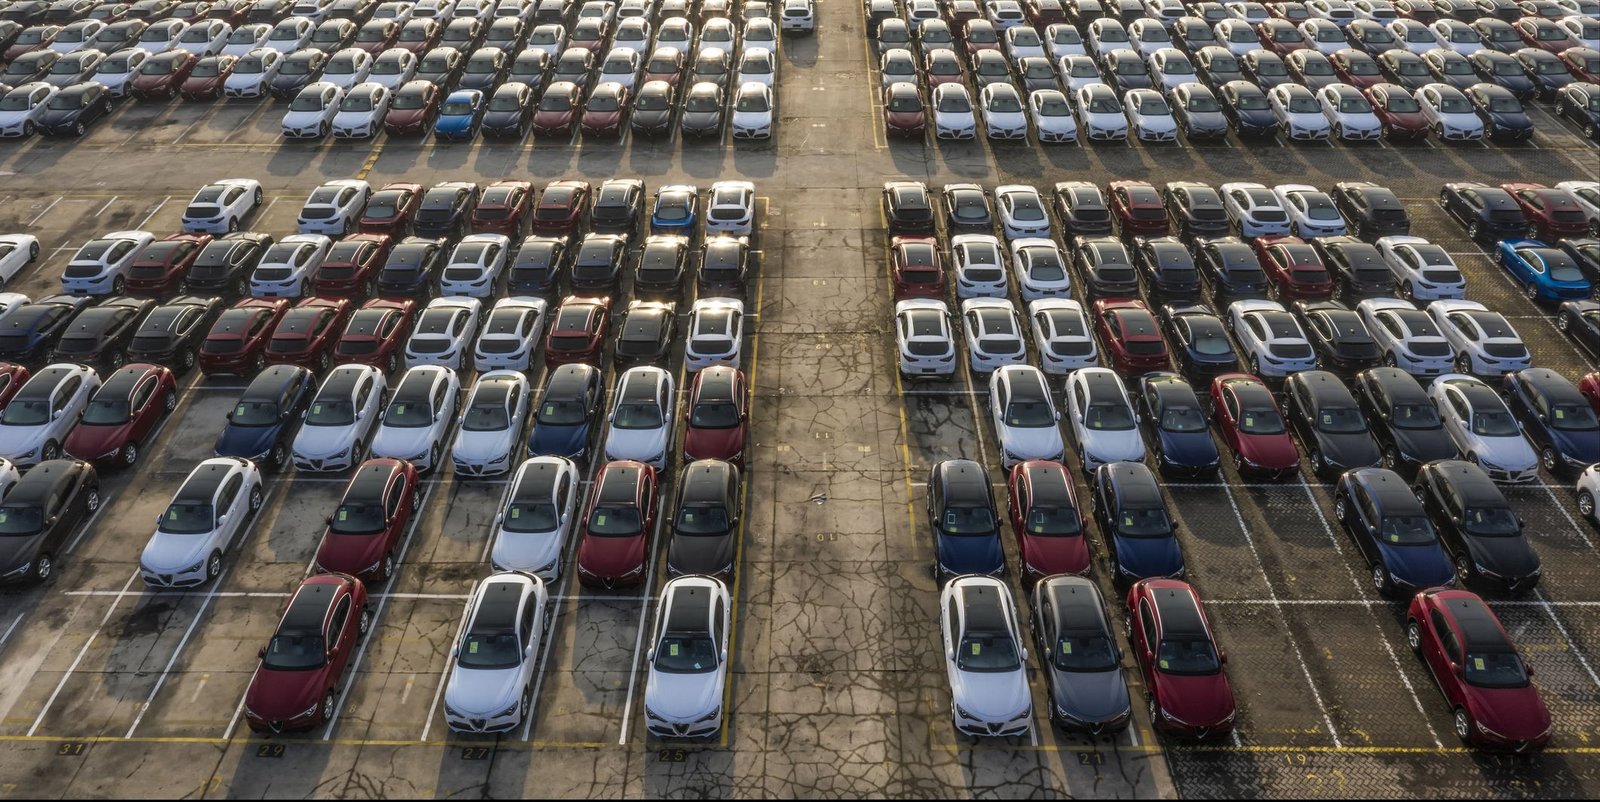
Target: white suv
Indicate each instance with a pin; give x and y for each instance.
(340, 419)
(496, 654)
(984, 658)
(210, 510)
(688, 659)
(418, 417)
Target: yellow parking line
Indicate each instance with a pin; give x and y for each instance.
(372, 159)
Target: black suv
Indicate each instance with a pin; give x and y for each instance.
(705, 526)
(1328, 422)
(617, 207)
(99, 336)
(1082, 209)
(446, 210)
(1371, 210)
(1105, 270)
(224, 265)
(724, 266)
(645, 335)
(171, 334)
(1404, 420)
(1479, 529)
(907, 207)
(40, 512)
(1166, 267)
(412, 269)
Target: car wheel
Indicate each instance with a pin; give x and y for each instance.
(33, 252)
(1548, 458)
(364, 623)
(1388, 361)
(388, 567)
(1255, 366)
(1589, 130)
(118, 359)
(1463, 724)
(43, 566)
(1341, 508)
(27, 129)
(1380, 580)
(241, 288)
(1464, 364)
(1463, 570)
(1563, 323)
(1318, 463)
(258, 196)
(255, 499)
(258, 364)
(322, 131)
(129, 453)
(214, 566)
(394, 363)
(1473, 458)
(118, 285)
(186, 361)
(1586, 504)
(1414, 635)
(323, 362)
(1474, 228)
(233, 225)
(1390, 458)
(368, 287)
(1531, 292)
(1155, 709)
(51, 451)
(433, 458)
(277, 458)
(79, 129)
(92, 502)
(327, 705)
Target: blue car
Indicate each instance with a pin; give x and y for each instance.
(264, 421)
(1391, 528)
(1176, 426)
(568, 415)
(30, 331)
(459, 116)
(676, 210)
(1546, 273)
(1134, 520)
(961, 512)
(1556, 418)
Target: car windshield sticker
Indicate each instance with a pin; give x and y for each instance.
(516, 512)
(316, 409)
(600, 520)
(1327, 419)
(344, 514)
(672, 649)
(1560, 413)
(549, 409)
(1066, 647)
(688, 517)
(1249, 420)
(1127, 519)
(399, 409)
(472, 647)
(1477, 663)
(949, 517)
(1163, 664)
(240, 410)
(977, 648)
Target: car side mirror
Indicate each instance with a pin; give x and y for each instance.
(1024, 654)
(327, 520)
(949, 654)
(1222, 657)
(1521, 522)
(1527, 667)
(222, 519)
(261, 653)
(650, 656)
(1458, 669)
(724, 655)
(57, 414)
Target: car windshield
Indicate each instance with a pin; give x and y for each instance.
(1495, 423)
(490, 650)
(307, 101)
(491, 417)
(407, 101)
(1573, 418)
(358, 519)
(294, 651)
(1490, 522)
(1183, 419)
(1354, 105)
(106, 412)
(1153, 106)
(1108, 417)
(751, 101)
(508, 103)
(1303, 105)
(1340, 420)
(679, 653)
(457, 108)
(968, 521)
(702, 519)
(533, 516)
(988, 652)
(187, 519)
(1083, 653)
(637, 415)
(1046, 521)
(954, 103)
(407, 415)
(1494, 668)
(714, 415)
(1252, 103)
(1030, 414)
(20, 520)
(1261, 421)
(1144, 522)
(206, 69)
(1187, 656)
(246, 413)
(1203, 104)
(1406, 530)
(615, 520)
(1414, 416)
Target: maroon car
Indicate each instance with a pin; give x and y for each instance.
(419, 35)
(1138, 208)
(376, 36)
(1583, 63)
(12, 377)
(1281, 36)
(504, 208)
(715, 419)
(561, 207)
(904, 113)
(123, 415)
(206, 79)
(1356, 68)
(665, 64)
(365, 529)
(351, 266)
(37, 37)
(617, 525)
(1398, 111)
(307, 333)
(1552, 213)
(390, 210)
(412, 109)
(164, 264)
(161, 74)
(237, 342)
(1130, 336)
(1179, 659)
(606, 111)
(376, 334)
(1294, 267)
(1544, 34)
(1252, 427)
(1042, 502)
(557, 110)
(295, 686)
(578, 331)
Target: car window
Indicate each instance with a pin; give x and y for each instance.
(141, 394)
(336, 627)
(1447, 637)
(953, 616)
(230, 491)
(528, 610)
(716, 622)
(397, 493)
(1147, 625)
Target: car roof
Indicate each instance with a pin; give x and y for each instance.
(309, 608)
(1076, 604)
(621, 483)
(983, 609)
(201, 485)
(1178, 610)
(964, 476)
(690, 608)
(268, 384)
(706, 480)
(370, 480)
(499, 602)
(1474, 486)
(1479, 628)
(535, 480)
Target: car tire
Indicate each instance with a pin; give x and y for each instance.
(1255, 366)
(258, 196)
(1563, 323)
(1589, 130)
(119, 285)
(328, 703)
(44, 566)
(1380, 580)
(364, 622)
(1389, 360)
(433, 458)
(186, 362)
(1474, 229)
(1464, 573)
(1155, 709)
(27, 129)
(1390, 458)
(214, 566)
(1341, 508)
(255, 499)
(51, 450)
(92, 502)
(1586, 506)
(233, 225)
(1464, 364)
(1414, 635)
(241, 288)
(33, 252)
(393, 364)
(323, 362)
(128, 455)
(1531, 292)
(368, 288)
(79, 129)
(388, 567)
(118, 359)
(258, 364)
(1463, 725)
(277, 457)
(1549, 459)
(1319, 464)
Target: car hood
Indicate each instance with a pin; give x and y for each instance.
(1114, 446)
(1202, 701)
(1269, 451)
(91, 442)
(502, 118)
(53, 117)
(321, 442)
(402, 442)
(281, 695)
(1195, 449)
(991, 697)
(1517, 120)
(458, 123)
(970, 554)
(405, 116)
(19, 441)
(167, 553)
(1506, 556)
(481, 693)
(1511, 453)
(652, 119)
(1090, 696)
(558, 441)
(682, 697)
(639, 444)
(1357, 450)
(1583, 446)
(701, 554)
(1418, 566)
(1256, 118)
(17, 551)
(483, 447)
(246, 441)
(701, 119)
(611, 556)
(350, 554)
(1149, 556)
(1515, 713)
(1424, 445)
(302, 117)
(526, 551)
(1208, 119)
(713, 443)
(1056, 555)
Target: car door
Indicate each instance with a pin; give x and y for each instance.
(566, 501)
(1459, 422)
(1439, 657)
(229, 509)
(60, 519)
(365, 405)
(532, 630)
(60, 401)
(1229, 418)
(339, 637)
(144, 406)
(396, 512)
(1364, 524)
(441, 414)
(1146, 644)
(719, 636)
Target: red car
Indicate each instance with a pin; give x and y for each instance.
(37, 37)
(1281, 36)
(1483, 677)
(237, 342)
(715, 420)
(578, 333)
(376, 36)
(161, 74)
(1583, 63)
(419, 35)
(1357, 68)
(412, 109)
(1130, 336)
(1043, 503)
(916, 268)
(390, 210)
(665, 64)
(1138, 208)
(978, 34)
(376, 334)
(363, 532)
(1544, 34)
(904, 113)
(617, 525)
(1293, 266)
(123, 413)
(557, 110)
(307, 333)
(164, 264)
(1252, 427)
(295, 686)
(1179, 659)
(206, 79)
(1398, 111)
(12, 377)
(1589, 385)
(561, 207)
(1420, 10)
(351, 266)
(504, 208)
(1044, 13)
(1552, 213)
(606, 111)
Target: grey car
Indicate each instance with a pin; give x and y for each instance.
(702, 110)
(1082, 666)
(1198, 112)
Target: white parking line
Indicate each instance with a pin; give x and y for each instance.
(153, 212)
(102, 209)
(12, 628)
(638, 640)
(1566, 637)
(48, 703)
(40, 216)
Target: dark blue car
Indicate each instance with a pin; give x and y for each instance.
(568, 415)
(1392, 530)
(966, 530)
(29, 332)
(264, 421)
(1175, 426)
(1501, 112)
(1134, 520)
(1556, 418)
(1199, 341)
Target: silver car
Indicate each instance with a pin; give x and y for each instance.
(491, 425)
(36, 421)
(643, 421)
(340, 419)
(1483, 429)
(984, 658)
(1101, 417)
(1025, 419)
(418, 417)
(536, 518)
(212, 507)
(496, 654)
(688, 659)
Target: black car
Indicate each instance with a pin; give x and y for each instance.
(1135, 524)
(1404, 69)
(645, 335)
(907, 207)
(1581, 321)
(270, 12)
(617, 206)
(485, 68)
(171, 334)
(1265, 68)
(1327, 420)
(1105, 270)
(537, 265)
(1477, 526)
(62, 12)
(1580, 103)
(530, 67)
(9, 31)
(663, 262)
(99, 336)
(30, 67)
(1197, 209)
(1199, 341)
(1372, 211)
(25, 12)
(1074, 640)
(441, 67)
(332, 35)
(1081, 207)
(506, 33)
(1555, 418)
(119, 35)
(413, 268)
(1189, 34)
(569, 414)
(1489, 213)
(1547, 71)
(1357, 268)
(705, 522)
(1498, 10)
(1174, 423)
(1165, 267)
(1404, 420)
(1585, 251)
(1450, 67)
(961, 514)
(1370, 36)
(1217, 67)
(510, 111)
(29, 333)
(300, 69)
(1230, 266)
(153, 10)
(42, 510)
(1340, 338)
(1124, 70)
(73, 110)
(597, 265)
(1247, 109)
(1198, 112)
(967, 208)
(1503, 115)
(653, 109)
(224, 265)
(1503, 70)
(724, 266)
(446, 209)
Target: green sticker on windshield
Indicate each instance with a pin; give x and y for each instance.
(399, 409)
(549, 409)
(472, 648)
(1066, 647)
(516, 512)
(1127, 519)
(1560, 413)
(344, 515)
(688, 517)
(1477, 662)
(1163, 665)
(172, 515)
(240, 410)
(1394, 538)
(316, 409)
(977, 648)
(672, 649)
(600, 520)
(1327, 420)
(1249, 420)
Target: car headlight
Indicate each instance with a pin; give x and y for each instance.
(547, 567)
(652, 715)
(508, 711)
(714, 714)
(962, 712)
(310, 710)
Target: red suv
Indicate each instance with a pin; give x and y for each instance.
(376, 334)
(617, 525)
(1179, 659)
(390, 210)
(1398, 111)
(295, 684)
(579, 331)
(561, 208)
(1138, 208)
(306, 334)
(237, 342)
(12, 377)
(1552, 213)
(123, 414)
(366, 528)
(351, 266)
(504, 209)
(1293, 267)
(1252, 427)
(1130, 335)
(1483, 677)
(164, 264)
(1043, 503)
(716, 417)
(916, 267)
(1589, 385)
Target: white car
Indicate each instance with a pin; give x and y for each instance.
(688, 659)
(510, 334)
(799, 15)
(16, 252)
(418, 417)
(1337, 11)
(205, 38)
(75, 36)
(491, 424)
(475, 266)
(116, 72)
(1062, 335)
(716, 334)
(1101, 112)
(1375, 10)
(1021, 42)
(21, 108)
(1349, 113)
(632, 33)
(340, 420)
(1425, 271)
(1022, 211)
(752, 112)
(361, 112)
(287, 265)
(919, 12)
(211, 509)
(1237, 36)
(443, 332)
(1298, 112)
(496, 654)
(1004, 14)
(1150, 116)
(314, 10)
(1415, 36)
(433, 9)
(1052, 118)
(1255, 210)
(759, 32)
(252, 73)
(245, 38)
(536, 517)
(1250, 12)
(756, 65)
(1486, 344)
(400, 12)
(1589, 493)
(1311, 211)
(1587, 194)
(621, 66)
(979, 266)
(477, 9)
(1100, 415)
(310, 114)
(334, 208)
(1062, 40)
(1448, 112)
(643, 417)
(1041, 269)
(953, 117)
(162, 35)
(347, 68)
(1105, 35)
(1003, 114)
(1271, 339)
(1407, 336)
(290, 34)
(1077, 72)
(922, 334)
(36, 421)
(731, 208)
(985, 659)
(715, 33)
(393, 68)
(1483, 429)
(1170, 68)
(1025, 418)
(221, 206)
(1146, 35)
(100, 267)
(1453, 34)
(993, 334)
(1583, 27)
